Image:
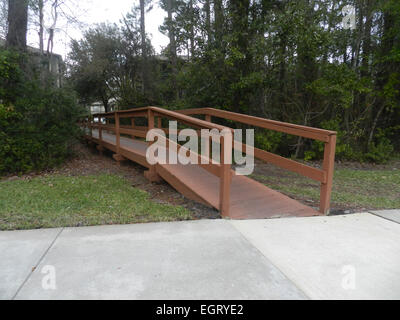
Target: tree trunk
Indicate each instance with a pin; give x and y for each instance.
(105, 103)
(191, 29)
(208, 20)
(357, 45)
(239, 23)
(50, 42)
(385, 68)
(219, 22)
(143, 45)
(41, 26)
(172, 45)
(17, 24)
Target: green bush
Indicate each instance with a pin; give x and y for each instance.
(38, 122)
(379, 151)
(268, 140)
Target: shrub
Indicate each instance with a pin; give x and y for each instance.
(38, 122)
(268, 140)
(379, 151)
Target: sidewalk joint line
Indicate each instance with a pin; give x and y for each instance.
(37, 264)
(272, 263)
(379, 216)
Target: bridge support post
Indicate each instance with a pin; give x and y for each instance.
(90, 126)
(328, 167)
(100, 148)
(225, 175)
(151, 174)
(117, 156)
(133, 126)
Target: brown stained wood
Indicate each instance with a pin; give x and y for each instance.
(117, 157)
(133, 132)
(133, 114)
(213, 168)
(284, 163)
(253, 200)
(289, 128)
(100, 148)
(186, 119)
(168, 175)
(249, 199)
(117, 132)
(237, 197)
(291, 165)
(225, 180)
(151, 174)
(328, 166)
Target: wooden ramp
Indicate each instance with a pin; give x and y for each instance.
(249, 199)
(215, 183)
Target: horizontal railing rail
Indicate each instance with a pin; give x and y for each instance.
(324, 175)
(221, 169)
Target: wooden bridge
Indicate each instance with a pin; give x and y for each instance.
(214, 184)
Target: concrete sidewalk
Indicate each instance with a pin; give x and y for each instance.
(343, 257)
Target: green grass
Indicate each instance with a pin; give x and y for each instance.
(370, 189)
(61, 201)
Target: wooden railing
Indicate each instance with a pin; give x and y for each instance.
(222, 169)
(323, 175)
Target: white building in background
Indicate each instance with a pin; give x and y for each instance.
(98, 107)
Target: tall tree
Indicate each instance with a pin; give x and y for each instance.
(17, 24)
(41, 25)
(207, 10)
(218, 22)
(143, 45)
(3, 18)
(169, 26)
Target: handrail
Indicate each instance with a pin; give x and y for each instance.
(324, 175)
(222, 170)
(167, 113)
(294, 129)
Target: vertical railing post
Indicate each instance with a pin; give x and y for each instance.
(328, 166)
(117, 137)
(151, 174)
(133, 125)
(100, 130)
(117, 156)
(225, 176)
(159, 123)
(100, 126)
(209, 143)
(90, 126)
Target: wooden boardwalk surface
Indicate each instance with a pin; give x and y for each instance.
(249, 199)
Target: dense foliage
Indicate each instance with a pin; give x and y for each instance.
(38, 121)
(286, 60)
